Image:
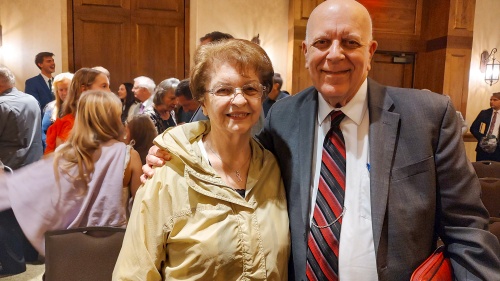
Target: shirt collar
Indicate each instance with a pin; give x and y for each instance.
(45, 77)
(355, 109)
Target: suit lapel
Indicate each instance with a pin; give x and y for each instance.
(306, 147)
(383, 136)
(43, 84)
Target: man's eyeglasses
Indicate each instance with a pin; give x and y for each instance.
(250, 91)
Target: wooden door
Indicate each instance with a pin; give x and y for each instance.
(130, 38)
(393, 69)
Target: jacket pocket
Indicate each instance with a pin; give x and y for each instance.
(413, 169)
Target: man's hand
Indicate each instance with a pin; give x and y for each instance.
(156, 158)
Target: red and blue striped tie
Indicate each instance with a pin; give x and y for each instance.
(324, 237)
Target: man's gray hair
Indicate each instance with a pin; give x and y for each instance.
(7, 77)
(145, 82)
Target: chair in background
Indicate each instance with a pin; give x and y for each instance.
(490, 195)
(487, 169)
(87, 253)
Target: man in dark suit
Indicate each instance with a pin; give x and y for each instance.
(40, 86)
(483, 126)
(407, 177)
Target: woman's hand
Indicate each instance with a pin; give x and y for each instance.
(156, 158)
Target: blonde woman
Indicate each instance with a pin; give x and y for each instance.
(83, 80)
(87, 182)
(60, 88)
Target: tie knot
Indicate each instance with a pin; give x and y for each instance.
(336, 117)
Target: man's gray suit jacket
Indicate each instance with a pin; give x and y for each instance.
(421, 183)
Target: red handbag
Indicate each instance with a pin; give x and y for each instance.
(437, 267)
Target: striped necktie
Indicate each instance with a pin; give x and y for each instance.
(324, 236)
(492, 124)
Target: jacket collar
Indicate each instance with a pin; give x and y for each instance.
(182, 143)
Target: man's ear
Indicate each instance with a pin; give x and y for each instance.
(371, 49)
(304, 51)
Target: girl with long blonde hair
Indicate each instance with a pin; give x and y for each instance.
(83, 80)
(88, 181)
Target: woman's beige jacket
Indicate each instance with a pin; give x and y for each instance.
(186, 224)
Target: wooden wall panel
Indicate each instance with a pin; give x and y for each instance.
(395, 16)
(165, 5)
(301, 79)
(307, 7)
(297, 75)
(103, 41)
(429, 70)
(385, 71)
(464, 14)
(103, 3)
(456, 77)
(158, 52)
(436, 15)
(130, 38)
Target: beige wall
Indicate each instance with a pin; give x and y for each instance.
(486, 37)
(245, 19)
(30, 27)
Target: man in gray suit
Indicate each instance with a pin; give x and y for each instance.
(408, 180)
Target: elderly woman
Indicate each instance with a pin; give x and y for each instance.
(217, 209)
(161, 111)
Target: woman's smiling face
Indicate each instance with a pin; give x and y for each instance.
(232, 114)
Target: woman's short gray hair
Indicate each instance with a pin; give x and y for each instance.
(169, 84)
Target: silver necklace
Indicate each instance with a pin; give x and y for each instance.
(237, 171)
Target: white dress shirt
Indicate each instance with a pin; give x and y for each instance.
(47, 81)
(357, 253)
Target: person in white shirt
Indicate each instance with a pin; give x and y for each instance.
(143, 89)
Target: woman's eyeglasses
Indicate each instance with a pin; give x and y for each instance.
(250, 91)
